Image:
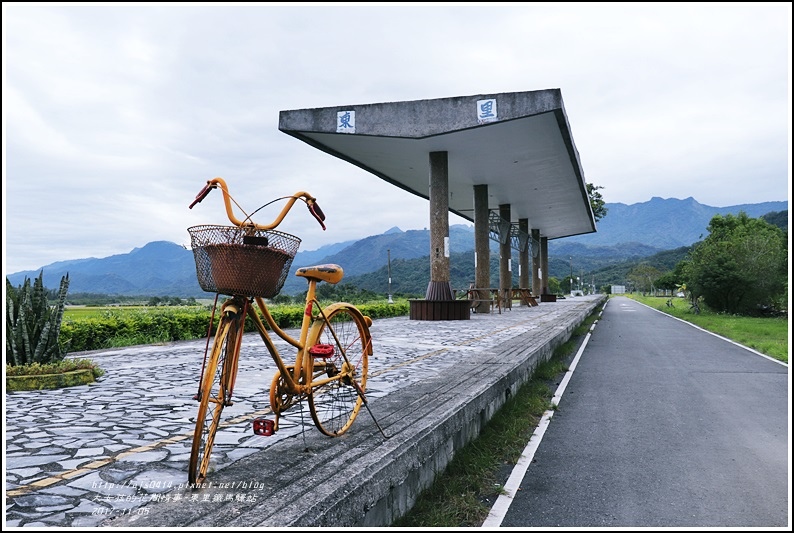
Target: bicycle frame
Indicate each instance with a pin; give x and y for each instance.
(300, 381)
(323, 374)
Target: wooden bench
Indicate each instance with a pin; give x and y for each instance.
(525, 295)
(474, 296)
(497, 298)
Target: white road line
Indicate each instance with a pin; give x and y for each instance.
(502, 504)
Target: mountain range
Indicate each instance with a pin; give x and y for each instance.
(627, 232)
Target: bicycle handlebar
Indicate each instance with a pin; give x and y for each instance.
(214, 183)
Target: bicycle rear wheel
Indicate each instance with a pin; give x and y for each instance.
(335, 405)
(216, 385)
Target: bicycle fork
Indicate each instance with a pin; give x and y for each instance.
(230, 310)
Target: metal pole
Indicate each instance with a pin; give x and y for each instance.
(388, 252)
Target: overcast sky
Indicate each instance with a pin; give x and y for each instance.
(114, 116)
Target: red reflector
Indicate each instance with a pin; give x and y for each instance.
(263, 426)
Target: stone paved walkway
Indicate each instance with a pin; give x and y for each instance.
(77, 455)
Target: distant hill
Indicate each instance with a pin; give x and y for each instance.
(159, 268)
(411, 276)
(372, 253)
(628, 233)
(664, 223)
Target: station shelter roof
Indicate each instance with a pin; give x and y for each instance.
(518, 144)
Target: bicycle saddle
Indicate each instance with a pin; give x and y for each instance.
(331, 273)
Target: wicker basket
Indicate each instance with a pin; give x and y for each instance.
(242, 261)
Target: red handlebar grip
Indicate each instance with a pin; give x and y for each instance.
(318, 212)
(315, 210)
(201, 195)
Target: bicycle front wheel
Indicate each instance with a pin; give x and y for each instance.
(216, 385)
(335, 405)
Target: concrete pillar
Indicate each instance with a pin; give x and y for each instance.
(523, 256)
(482, 246)
(544, 264)
(537, 286)
(439, 288)
(505, 251)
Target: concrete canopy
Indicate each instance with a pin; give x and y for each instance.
(518, 144)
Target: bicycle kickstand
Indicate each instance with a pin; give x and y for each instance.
(364, 400)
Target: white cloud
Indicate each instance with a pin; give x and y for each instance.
(115, 115)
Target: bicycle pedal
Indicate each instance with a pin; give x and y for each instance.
(264, 426)
(322, 350)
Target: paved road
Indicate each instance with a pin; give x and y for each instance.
(662, 424)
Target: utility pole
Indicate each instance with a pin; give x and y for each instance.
(570, 261)
(388, 252)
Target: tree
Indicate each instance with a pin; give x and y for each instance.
(777, 218)
(554, 285)
(643, 276)
(667, 281)
(344, 292)
(282, 299)
(567, 284)
(673, 280)
(741, 267)
(596, 201)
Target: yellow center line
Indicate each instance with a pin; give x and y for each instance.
(85, 469)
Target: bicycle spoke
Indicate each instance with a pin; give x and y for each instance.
(335, 405)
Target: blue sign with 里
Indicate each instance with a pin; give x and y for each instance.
(486, 110)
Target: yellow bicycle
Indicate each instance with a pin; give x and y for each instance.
(249, 262)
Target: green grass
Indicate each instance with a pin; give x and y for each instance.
(84, 312)
(766, 335)
(37, 376)
(67, 365)
(463, 494)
